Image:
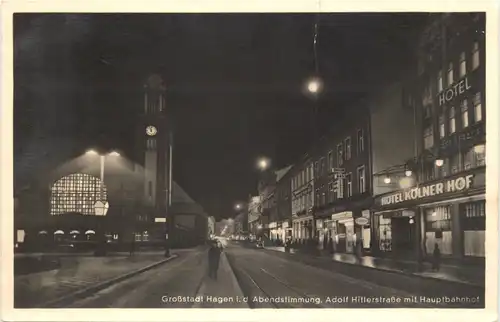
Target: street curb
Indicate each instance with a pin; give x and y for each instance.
(394, 271)
(68, 298)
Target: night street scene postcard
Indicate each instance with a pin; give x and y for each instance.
(303, 161)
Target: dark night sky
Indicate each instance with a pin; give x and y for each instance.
(234, 86)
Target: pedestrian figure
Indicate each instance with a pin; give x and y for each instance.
(213, 260)
(436, 263)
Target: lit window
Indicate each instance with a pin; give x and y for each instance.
(428, 138)
(348, 148)
(349, 184)
(478, 113)
(361, 141)
(340, 156)
(475, 56)
(463, 65)
(442, 130)
(465, 113)
(450, 74)
(73, 193)
(440, 81)
(361, 179)
(451, 120)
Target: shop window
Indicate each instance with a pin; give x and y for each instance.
(463, 65)
(450, 74)
(442, 130)
(137, 236)
(385, 234)
(478, 113)
(347, 148)
(428, 138)
(473, 215)
(451, 120)
(348, 179)
(361, 179)
(361, 141)
(438, 219)
(464, 108)
(475, 56)
(440, 81)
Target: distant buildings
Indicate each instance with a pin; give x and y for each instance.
(405, 171)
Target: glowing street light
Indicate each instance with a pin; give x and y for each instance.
(263, 164)
(91, 152)
(238, 206)
(408, 173)
(314, 85)
(439, 162)
(387, 179)
(114, 154)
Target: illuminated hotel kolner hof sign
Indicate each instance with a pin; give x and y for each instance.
(449, 186)
(454, 91)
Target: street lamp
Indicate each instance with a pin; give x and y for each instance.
(387, 179)
(439, 162)
(238, 206)
(314, 85)
(101, 206)
(263, 164)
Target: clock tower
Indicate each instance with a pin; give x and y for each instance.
(156, 140)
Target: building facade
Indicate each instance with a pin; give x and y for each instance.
(342, 190)
(254, 212)
(211, 227)
(302, 186)
(394, 132)
(284, 203)
(444, 207)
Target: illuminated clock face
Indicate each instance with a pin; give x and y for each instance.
(151, 130)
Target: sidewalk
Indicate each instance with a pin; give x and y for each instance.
(225, 289)
(460, 274)
(75, 274)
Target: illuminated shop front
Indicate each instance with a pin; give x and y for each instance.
(343, 231)
(448, 212)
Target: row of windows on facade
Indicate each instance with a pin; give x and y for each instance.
(337, 189)
(463, 68)
(472, 215)
(472, 158)
(327, 164)
(448, 120)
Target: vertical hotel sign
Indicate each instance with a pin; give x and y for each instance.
(453, 185)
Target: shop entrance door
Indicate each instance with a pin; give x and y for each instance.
(403, 236)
